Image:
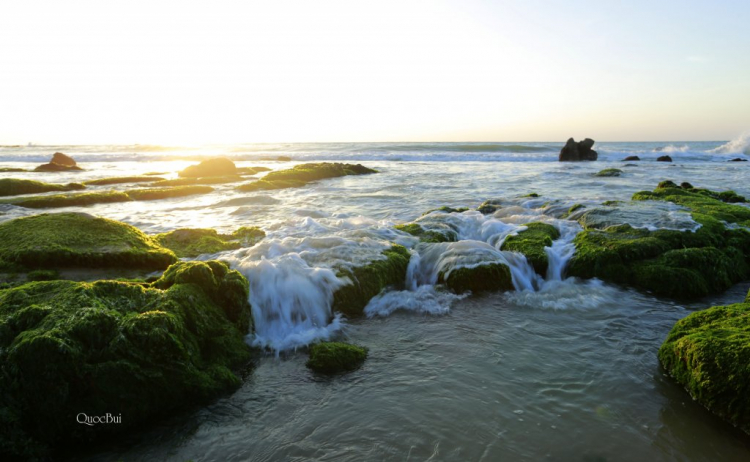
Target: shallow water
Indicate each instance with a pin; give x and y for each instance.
(558, 370)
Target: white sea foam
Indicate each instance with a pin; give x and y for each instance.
(739, 145)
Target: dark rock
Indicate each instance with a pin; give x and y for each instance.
(62, 159)
(220, 166)
(573, 152)
(631, 158)
(664, 159)
(738, 159)
(686, 185)
(59, 163)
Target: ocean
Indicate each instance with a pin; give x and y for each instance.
(559, 369)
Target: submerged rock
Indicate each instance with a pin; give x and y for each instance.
(609, 172)
(187, 242)
(573, 152)
(369, 280)
(631, 159)
(679, 264)
(14, 187)
(335, 357)
(221, 166)
(489, 206)
(138, 194)
(664, 159)
(302, 174)
(123, 179)
(59, 163)
(738, 159)
(531, 242)
(708, 353)
(77, 239)
(134, 351)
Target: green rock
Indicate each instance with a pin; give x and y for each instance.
(133, 350)
(302, 174)
(15, 187)
(166, 193)
(76, 239)
(443, 234)
(220, 166)
(489, 206)
(43, 275)
(574, 208)
(335, 357)
(70, 200)
(486, 277)
(609, 172)
(201, 180)
(446, 209)
(708, 353)
(122, 179)
(187, 242)
(531, 242)
(678, 264)
(369, 280)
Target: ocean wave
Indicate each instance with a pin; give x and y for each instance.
(739, 145)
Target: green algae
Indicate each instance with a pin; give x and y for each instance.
(76, 239)
(708, 353)
(219, 166)
(15, 187)
(531, 242)
(135, 350)
(121, 180)
(42, 275)
(424, 235)
(489, 206)
(369, 280)
(609, 172)
(191, 242)
(70, 200)
(574, 208)
(678, 264)
(335, 357)
(151, 194)
(446, 209)
(199, 180)
(302, 174)
(486, 277)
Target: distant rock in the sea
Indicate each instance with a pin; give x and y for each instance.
(738, 159)
(664, 159)
(60, 163)
(219, 166)
(573, 152)
(631, 158)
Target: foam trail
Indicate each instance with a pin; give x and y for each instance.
(562, 250)
(291, 302)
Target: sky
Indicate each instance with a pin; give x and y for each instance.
(192, 72)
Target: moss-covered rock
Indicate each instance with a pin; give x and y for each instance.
(76, 239)
(220, 166)
(106, 197)
(302, 174)
(15, 187)
(70, 200)
(489, 206)
(135, 351)
(42, 275)
(708, 353)
(152, 194)
(12, 170)
(369, 280)
(188, 242)
(531, 242)
(609, 172)
(485, 277)
(200, 180)
(122, 179)
(252, 170)
(446, 209)
(573, 209)
(679, 264)
(424, 235)
(335, 357)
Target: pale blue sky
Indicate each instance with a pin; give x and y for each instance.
(255, 71)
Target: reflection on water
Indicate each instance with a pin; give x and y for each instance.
(495, 379)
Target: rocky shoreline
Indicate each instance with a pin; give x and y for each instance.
(176, 333)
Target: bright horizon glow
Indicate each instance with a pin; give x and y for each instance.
(187, 73)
